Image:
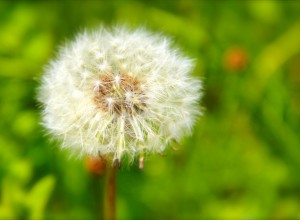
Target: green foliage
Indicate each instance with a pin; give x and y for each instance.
(243, 160)
(19, 201)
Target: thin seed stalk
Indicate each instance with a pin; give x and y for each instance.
(110, 193)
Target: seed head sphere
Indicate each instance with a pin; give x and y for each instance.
(117, 92)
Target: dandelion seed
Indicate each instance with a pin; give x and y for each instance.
(116, 93)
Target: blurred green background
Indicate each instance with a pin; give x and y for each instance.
(243, 160)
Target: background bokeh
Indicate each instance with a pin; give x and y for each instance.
(243, 160)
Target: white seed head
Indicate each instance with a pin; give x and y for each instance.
(119, 92)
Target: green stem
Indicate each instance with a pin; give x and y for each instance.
(110, 193)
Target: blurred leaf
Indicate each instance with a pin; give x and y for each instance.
(12, 199)
(39, 195)
(25, 124)
(267, 11)
(20, 171)
(38, 49)
(14, 30)
(278, 52)
(271, 59)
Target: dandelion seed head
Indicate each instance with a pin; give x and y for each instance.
(119, 92)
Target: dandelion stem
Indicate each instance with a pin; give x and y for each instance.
(110, 193)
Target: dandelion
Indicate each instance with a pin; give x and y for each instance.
(119, 93)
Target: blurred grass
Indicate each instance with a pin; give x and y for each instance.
(243, 160)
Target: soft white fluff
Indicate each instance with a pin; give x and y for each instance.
(71, 81)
